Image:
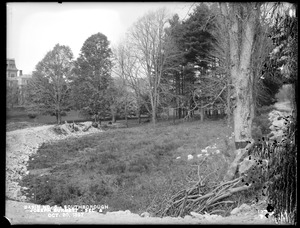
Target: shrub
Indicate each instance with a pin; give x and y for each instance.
(264, 110)
(261, 123)
(256, 132)
(32, 115)
(62, 113)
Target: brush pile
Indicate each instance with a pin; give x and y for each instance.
(71, 128)
(200, 198)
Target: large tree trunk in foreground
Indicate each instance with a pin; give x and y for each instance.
(242, 19)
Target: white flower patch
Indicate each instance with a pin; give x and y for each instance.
(178, 157)
(217, 151)
(190, 157)
(204, 150)
(199, 155)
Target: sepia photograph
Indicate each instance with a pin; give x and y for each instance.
(151, 113)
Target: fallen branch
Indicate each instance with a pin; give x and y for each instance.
(186, 201)
(228, 201)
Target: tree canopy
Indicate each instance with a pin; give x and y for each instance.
(92, 76)
(49, 89)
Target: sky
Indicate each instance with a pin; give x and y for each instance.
(33, 29)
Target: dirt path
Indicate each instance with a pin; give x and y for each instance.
(17, 214)
(22, 143)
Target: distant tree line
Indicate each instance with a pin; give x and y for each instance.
(166, 64)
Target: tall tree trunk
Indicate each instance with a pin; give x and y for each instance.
(56, 115)
(154, 115)
(202, 111)
(59, 117)
(228, 103)
(241, 33)
(174, 115)
(126, 115)
(139, 113)
(113, 113)
(153, 106)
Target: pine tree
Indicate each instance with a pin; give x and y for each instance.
(92, 76)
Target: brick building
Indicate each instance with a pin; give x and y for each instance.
(16, 82)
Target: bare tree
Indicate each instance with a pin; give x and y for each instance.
(127, 68)
(152, 51)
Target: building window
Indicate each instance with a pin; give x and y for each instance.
(12, 75)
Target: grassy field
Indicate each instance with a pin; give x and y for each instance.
(132, 169)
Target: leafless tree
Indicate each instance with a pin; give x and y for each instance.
(127, 68)
(152, 51)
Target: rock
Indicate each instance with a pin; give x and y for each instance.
(235, 211)
(190, 157)
(197, 215)
(246, 164)
(187, 217)
(145, 214)
(127, 212)
(243, 208)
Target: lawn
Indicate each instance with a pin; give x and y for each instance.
(134, 169)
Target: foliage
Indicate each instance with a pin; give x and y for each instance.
(121, 100)
(285, 38)
(12, 94)
(32, 115)
(191, 82)
(49, 88)
(197, 38)
(280, 66)
(92, 76)
(283, 176)
(275, 173)
(261, 123)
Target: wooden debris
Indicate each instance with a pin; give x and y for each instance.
(189, 200)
